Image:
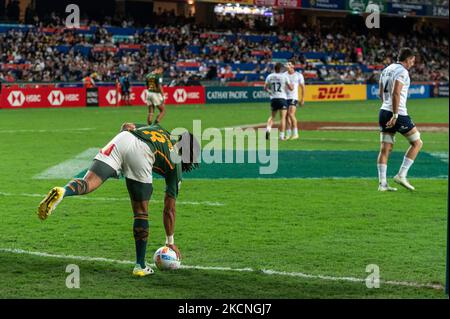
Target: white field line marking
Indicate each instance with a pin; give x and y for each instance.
(115, 199)
(440, 155)
(71, 167)
(376, 128)
(348, 128)
(263, 271)
(325, 139)
(245, 126)
(82, 129)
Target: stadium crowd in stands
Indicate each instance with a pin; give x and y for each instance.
(237, 49)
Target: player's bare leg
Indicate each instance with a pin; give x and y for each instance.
(283, 124)
(416, 144)
(151, 111)
(293, 120)
(288, 126)
(270, 124)
(162, 113)
(386, 147)
(78, 186)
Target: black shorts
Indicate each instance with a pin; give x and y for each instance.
(125, 90)
(278, 104)
(292, 102)
(403, 125)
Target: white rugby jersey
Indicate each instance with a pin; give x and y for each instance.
(278, 85)
(392, 73)
(296, 79)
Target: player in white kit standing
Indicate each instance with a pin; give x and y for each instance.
(277, 84)
(294, 99)
(393, 117)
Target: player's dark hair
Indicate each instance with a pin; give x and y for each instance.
(278, 67)
(404, 54)
(189, 150)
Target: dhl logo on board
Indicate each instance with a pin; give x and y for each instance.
(351, 92)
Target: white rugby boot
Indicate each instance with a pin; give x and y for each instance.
(404, 182)
(138, 271)
(386, 188)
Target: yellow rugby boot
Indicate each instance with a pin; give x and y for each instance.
(49, 203)
(138, 271)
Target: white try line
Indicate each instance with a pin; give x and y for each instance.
(82, 129)
(114, 199)
(229, 269)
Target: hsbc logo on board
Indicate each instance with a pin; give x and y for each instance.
(56, 98)
(181, 96)
(43, 97)
(16, 98)
(113, 97)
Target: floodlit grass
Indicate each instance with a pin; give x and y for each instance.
(331, 227)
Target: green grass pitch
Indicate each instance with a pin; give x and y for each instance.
(308, 232)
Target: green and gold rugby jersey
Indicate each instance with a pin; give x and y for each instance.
(162, 147)
(153, 82)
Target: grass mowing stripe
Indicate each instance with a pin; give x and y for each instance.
(302, 163)
(108, 199)
(263, 271)
(440, 155)
(70, 167)
(82, 129)
(359, 140)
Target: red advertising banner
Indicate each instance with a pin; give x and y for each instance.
(185, 95)
(104, 48)
(11, 66)
(279, 3)
(188, 64)
(42, 97)
(109, 96)
(130, 46)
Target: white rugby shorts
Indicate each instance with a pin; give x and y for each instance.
(130, 156)
(155, 99)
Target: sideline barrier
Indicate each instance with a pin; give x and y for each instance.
(313, 93)
(342, 92)
(42, 97)
(108, 96)
(416, 91)
(235, 94)
(15, 97)
(440, 90)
